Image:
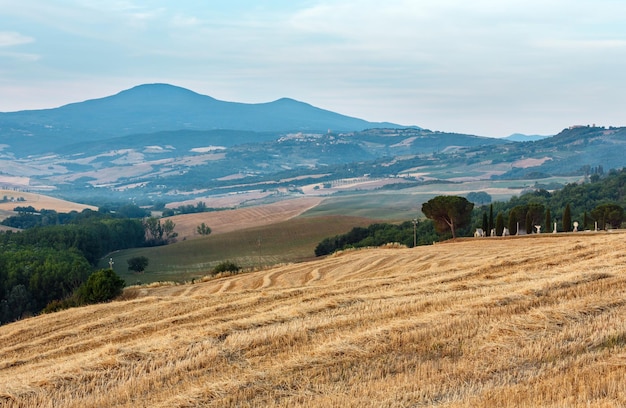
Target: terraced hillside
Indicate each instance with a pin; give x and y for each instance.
(533, 321)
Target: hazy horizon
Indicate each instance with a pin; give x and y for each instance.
(487, 68)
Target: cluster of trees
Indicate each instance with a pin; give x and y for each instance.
(6, 199)
(200, 207)
(601, 200)
(157, 233)
(93, 239)
(407, 233)
(29, 217)
(100, 286)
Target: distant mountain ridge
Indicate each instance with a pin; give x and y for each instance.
(519, 137)
(162, 107)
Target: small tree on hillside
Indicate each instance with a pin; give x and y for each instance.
(203, 229)
(137, 264)
(101, 286)
(168, 230)
(448, 212)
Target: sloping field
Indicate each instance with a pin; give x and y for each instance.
(38, 201)
(289, 241)
(232, 220)
(520, 322)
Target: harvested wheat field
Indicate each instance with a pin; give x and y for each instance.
(485, 322)
(39, 202)
(246, 217)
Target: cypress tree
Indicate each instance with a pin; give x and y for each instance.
(491, 224)
(499, 224)
(512, 222)
(567, 219)
(548, 220)
(529, 223)
(485, 225)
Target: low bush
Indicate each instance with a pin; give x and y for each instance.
(226, 266)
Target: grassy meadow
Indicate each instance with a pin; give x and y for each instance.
(288, 241)
(484, 322)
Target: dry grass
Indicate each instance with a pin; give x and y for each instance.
(39, 201)
(537, 321)
(232, 220)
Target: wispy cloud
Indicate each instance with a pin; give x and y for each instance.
(12, 38)
(437, 63)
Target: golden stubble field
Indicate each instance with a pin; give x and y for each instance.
(38, 201)
(491, 322)
(245, 217)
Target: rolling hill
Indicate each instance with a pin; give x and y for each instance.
(533, 321)
(160, 143)
(152, 108)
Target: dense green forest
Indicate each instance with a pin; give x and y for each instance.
(47, 263)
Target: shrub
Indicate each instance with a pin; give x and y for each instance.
(57, 305)
(137, 264)
(226, 266)
(102, 286)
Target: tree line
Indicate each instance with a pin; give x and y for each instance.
(422, 232)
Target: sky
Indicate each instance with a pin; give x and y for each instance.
(484, 67)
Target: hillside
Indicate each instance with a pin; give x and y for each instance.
(153, 108)
(246, 217)
(37, 201)
(535, 321)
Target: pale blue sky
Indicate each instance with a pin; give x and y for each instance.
(484, 67)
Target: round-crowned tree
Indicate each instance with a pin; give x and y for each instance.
(101, 286)
(137, 264)
(448, 212)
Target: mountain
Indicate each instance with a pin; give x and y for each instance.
(162, 107)
(519, 137)
(165, 142)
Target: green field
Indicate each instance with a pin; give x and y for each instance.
(285, 242)
(406, 204)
